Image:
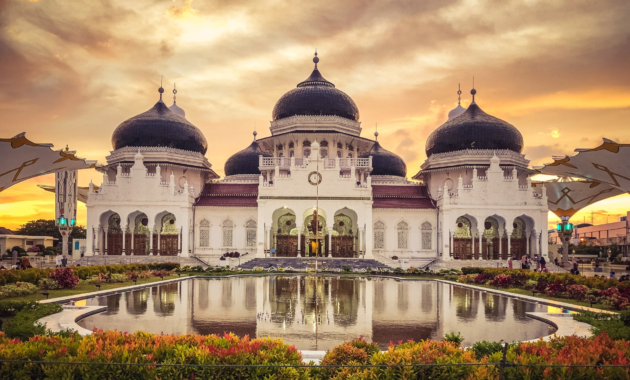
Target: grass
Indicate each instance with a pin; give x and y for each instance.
(89, 288)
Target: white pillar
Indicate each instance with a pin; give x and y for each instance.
(133, 230)
(105, 241)
(509, 247)
(481, 246)
(124, 238)
(528, 235)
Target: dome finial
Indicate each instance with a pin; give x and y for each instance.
(174, 93)
(315, 59)
(255, 134)
(459, 94)
(376, 131)
(473, 91)
(161, 90)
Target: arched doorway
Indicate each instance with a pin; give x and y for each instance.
(518, 239)
(462, 239)
(141, 235)
(490, 240)
(343, 239)
(114, 235)
(287, 235)
(315, 235)
(168, 239)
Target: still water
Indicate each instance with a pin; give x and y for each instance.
(318, 313)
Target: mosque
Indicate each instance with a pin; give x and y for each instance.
(316, 187)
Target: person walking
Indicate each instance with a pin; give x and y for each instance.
(64, 261)
(575, 264)
(524, 262)
(537, 262)
(543, 264)
(14, 257)
(510, 262)
(555, 261)
(58, 260)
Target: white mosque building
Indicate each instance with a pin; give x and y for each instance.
(316, 187)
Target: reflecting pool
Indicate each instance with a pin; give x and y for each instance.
(318, 313)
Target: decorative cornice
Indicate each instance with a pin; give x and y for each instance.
(325, 122)
(314, 198)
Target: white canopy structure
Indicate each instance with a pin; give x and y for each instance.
(22, 159)
(608, 163)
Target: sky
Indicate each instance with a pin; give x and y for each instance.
(71, 71)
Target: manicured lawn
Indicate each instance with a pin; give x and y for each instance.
(90, 288)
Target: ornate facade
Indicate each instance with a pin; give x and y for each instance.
(315, 187)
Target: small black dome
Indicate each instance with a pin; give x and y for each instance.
(245, 161)
(385, 162)
(474, 129)
(316, 96)
(159, 126)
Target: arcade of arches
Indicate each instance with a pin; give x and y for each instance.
(138, 239)
(321, 239)
(494, 242)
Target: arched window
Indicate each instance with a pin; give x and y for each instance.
(339, 153)
(349, 155)
(403, 235)
(307, 153)
(291, 145)
(292, 154)
(228, 233)
(324, 153)
(204, 233)
(306, 143)
(379, 235)
(427, 233)
(250, 233)
(324, 143)
(339, 145)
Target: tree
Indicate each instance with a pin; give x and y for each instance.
(44, 227)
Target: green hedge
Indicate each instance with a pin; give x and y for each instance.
(33, 275)
(599, 283)
(25, 314)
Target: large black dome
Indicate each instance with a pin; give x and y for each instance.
(316, 96)
(385, 162)
(159, 126)
(474, 129)
(245, 161)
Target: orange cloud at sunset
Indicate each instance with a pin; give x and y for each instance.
(74, 70)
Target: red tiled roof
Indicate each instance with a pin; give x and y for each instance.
(414, 197)
(229, 195)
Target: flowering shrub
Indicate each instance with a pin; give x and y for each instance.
(141, 347)
(502, 280)
(611, 297)
(578, 292)
(482, 278)
(48, 284)
(555, 289)
(65, 278)
(465, 279)
(159, 273)
(18, 289)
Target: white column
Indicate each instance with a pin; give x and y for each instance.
(185, 233)
(528, 237)
(360, 242)
(159, 234)
(481, 246)
(501, 232)
(509, 247)
(105, 241)
(260, 233)
(124, 239)
(133, 230)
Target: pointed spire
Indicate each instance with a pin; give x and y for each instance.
(376, 132)
(174, 93)
(161, 90)
(473, 92)
(255, 134)
(315, 59)
(459, 94)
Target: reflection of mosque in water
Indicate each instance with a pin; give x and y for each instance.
(318, 312)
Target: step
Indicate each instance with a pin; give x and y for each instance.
(305, 263)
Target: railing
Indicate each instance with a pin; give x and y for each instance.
(381, 258)
(356, 162)
(283, 162)
(330, 163)
(301, 162)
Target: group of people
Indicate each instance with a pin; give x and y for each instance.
(24, 262)
(538, 264)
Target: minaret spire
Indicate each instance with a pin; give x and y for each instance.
(473, 92)
(315, 59)
(459, 94)
(161, 90)
(174, 94)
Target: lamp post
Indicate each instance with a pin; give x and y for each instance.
(565, 231)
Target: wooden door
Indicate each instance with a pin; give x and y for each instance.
(156, 248)
(462, 248)
(168, 245)
(519, 247)
(114, 243)
(127, 244)
(286, 246)
(343, 246)
(476, 249)
(504, 249)
(139, 244)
